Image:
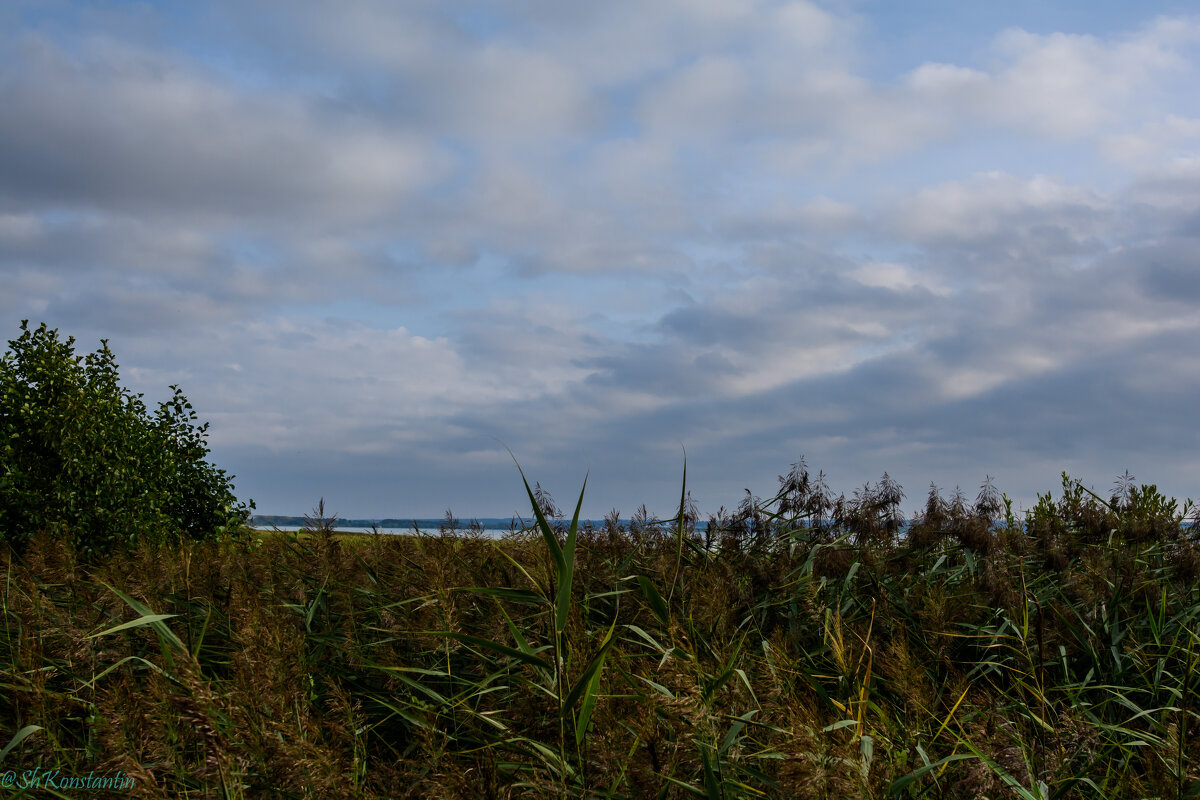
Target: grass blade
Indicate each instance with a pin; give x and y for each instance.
(900, 783)
(566, 572)
(500, 649)
(519, 596)
(147, 619)
(593, 668)
(712, 789)
(679, 526)
(165, 635)
(657, 604)
(556, 552)
(21, 736)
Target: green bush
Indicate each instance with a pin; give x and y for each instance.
(81, 457)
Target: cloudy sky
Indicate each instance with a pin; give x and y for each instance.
(373, 240)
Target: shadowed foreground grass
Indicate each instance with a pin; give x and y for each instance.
(801, 647)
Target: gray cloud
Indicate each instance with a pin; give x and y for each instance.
(1172, 274)
(129, 129)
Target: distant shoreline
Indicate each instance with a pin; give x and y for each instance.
(424, 523)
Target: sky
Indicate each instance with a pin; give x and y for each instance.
(376, 243)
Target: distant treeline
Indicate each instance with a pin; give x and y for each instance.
(494, 523)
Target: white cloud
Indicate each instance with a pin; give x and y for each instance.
(996, 204)
(945, 80)
(1158, 144)
(502, 96)
(708, 98)
(1073, 86)
(804, 26)
(896, 277)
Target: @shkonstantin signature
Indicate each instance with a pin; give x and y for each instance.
(39, 778)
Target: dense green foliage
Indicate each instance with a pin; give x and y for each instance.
(806, 646)
(82, 457)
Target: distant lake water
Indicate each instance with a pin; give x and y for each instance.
(428, 529)
(491, 527)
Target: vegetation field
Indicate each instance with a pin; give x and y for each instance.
(802, 646)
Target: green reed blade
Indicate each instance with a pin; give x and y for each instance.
(542, 594)
(148, 619)
(687, 787)
(657, 604)
(91, 684)
(1008, 780)
(500, 649)
(679, 525)
(316, 603)
(712, 788)
(658, 687)
(518, 637)
(543, 526)
(654, 643)
(590, 694)
(520, 596)
(593, 668)
(399, 674)
(203, 633)
(735, 731)
(900, 783)
(22, 734)
(165, 635)
(412, 717)
(567, 569)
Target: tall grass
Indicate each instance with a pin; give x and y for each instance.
(805, 645)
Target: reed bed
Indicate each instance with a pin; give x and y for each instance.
(803, 646)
